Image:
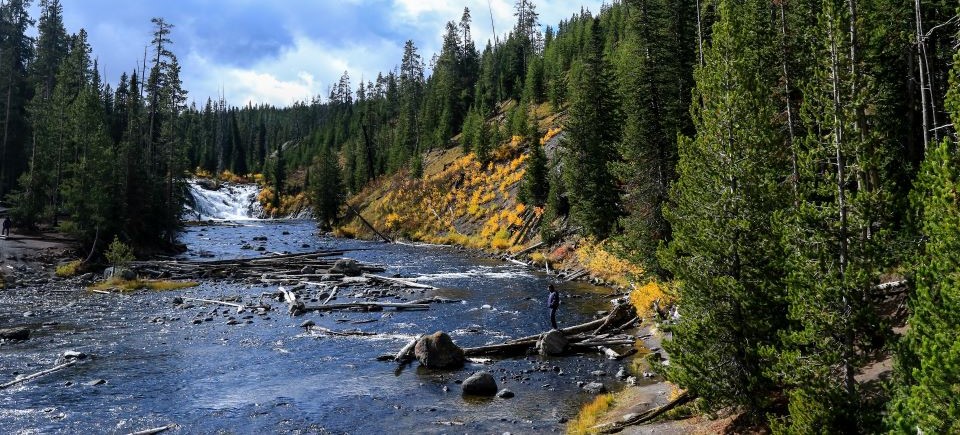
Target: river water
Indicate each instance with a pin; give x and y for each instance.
(268, 375)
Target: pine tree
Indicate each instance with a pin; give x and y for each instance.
(928, 360)
(590, 144)
(535, 187)
(654, 66)
(835, 233)
(16, 50)
(724, 255)
(328, 192)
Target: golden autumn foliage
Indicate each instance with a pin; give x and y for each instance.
(289, 204)
(457, 201)
(589, 415)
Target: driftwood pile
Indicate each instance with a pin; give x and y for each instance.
(601, 335)
(275, 269)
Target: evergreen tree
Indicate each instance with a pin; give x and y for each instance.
(592, 133)
(328, 192)
(655, 66)
(834, 234)
(724, 255)
(535, 187)
(16, 50)
(928, 360)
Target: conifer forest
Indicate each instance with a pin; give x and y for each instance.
(779, 163)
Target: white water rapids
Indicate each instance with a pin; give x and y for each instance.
(229, 202)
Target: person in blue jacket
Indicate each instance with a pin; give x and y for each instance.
(553, 302)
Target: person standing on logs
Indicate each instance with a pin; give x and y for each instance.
(553, 302)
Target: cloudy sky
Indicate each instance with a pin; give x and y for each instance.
(281, 51)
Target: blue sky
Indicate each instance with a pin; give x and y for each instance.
(281, 51)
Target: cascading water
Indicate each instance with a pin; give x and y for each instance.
(229, 202)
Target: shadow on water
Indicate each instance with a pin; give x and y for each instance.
(267, 375)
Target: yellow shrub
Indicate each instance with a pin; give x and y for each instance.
(202, 173)
(589, 415)
(642, 297)
(69, 269)
(550, 135)
(501, 240)
(392, 221)
(601, 263)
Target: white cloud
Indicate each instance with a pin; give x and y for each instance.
(297, 73)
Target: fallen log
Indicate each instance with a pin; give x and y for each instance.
(349, 305)
(517, 348)
(644, 417)
(399, 281)
(367, 224)
(36, 375)
(406, 353)
(321, 329)
(212, 301)
(617, 311)
(153, 431)
(333, 293)
(522, 345)
(524, 251)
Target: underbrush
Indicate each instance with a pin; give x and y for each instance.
(119, 284)
(590, 414)
(70, 269)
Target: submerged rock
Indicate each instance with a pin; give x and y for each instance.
(15, 334)
(346, 266)
(438, 351)
(552, 343)
(480, 384)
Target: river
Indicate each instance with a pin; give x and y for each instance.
(268, 375)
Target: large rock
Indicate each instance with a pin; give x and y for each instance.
(438, 351)
(15, 334)
(594, 388)
(552, 343)
(480, 384)
(208, 184)
(346, 266)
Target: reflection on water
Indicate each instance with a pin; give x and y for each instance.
(271, 376)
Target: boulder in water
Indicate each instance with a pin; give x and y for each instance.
(208, 184)
(480, 384)
(594, 388)
(552, 343)
(346, 266)
(438, 351)
(18, 334)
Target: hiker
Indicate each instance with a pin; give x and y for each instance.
(553, 302)
(6, 226)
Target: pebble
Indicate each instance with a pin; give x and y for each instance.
(505, 394)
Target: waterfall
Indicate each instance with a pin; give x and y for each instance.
(227, 202)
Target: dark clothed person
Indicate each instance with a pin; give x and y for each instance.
(553, 303)
(6, 226)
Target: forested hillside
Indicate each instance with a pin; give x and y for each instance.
(776, 160)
